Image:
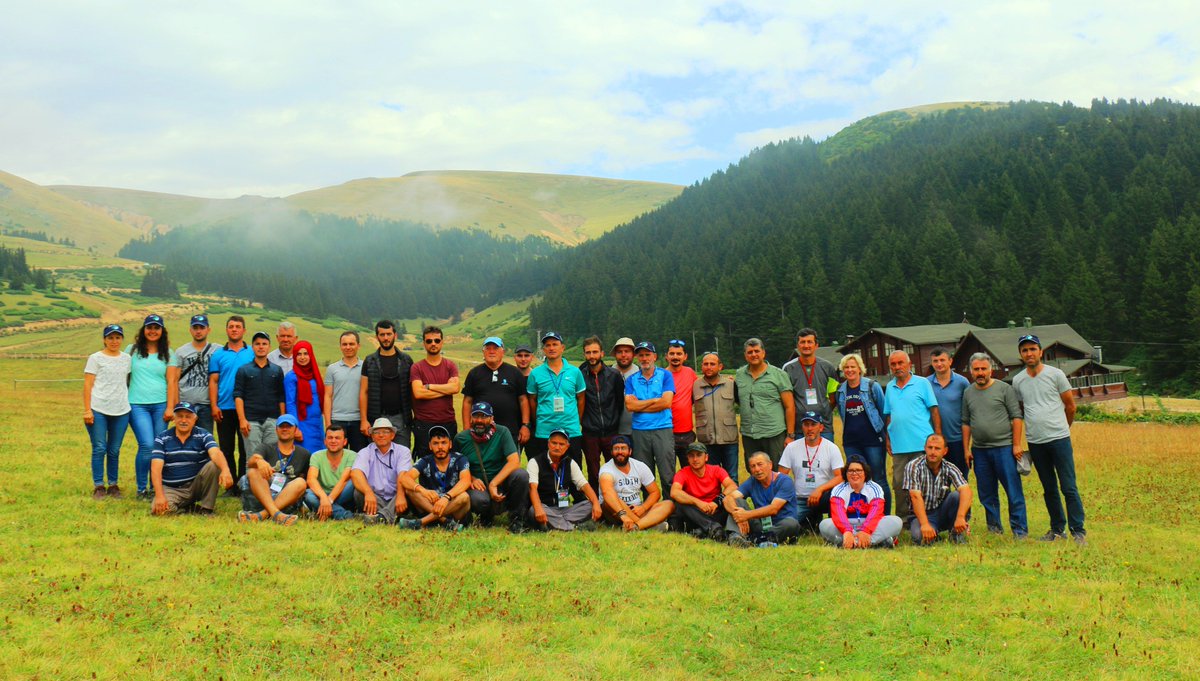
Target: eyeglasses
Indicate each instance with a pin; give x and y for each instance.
(433, 341)
(856, 470)
(676, 343)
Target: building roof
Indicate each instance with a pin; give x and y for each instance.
(1002, 343)
(927, 334)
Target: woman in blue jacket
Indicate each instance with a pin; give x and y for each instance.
(860, 404)
(304, 397)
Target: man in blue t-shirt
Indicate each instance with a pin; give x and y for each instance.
(437, 485)
(186, 467)
(648, 396)
(911, 412)
(773, 519)
(948, 387)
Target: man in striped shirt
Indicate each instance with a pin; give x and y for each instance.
(187, 468)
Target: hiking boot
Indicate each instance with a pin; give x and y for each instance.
(452, 525)
(114, 491)
(717, 534)
(1052, 536)
(588, 525)
(374, 519)
(517, 527)
(738, 541)
(98, 493)
(1080, 538)
(995, 529)
(408, 523)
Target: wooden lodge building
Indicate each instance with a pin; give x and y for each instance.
(1062, 347)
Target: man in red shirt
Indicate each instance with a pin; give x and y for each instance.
(698, 491)
(681, 403)
(434, 385)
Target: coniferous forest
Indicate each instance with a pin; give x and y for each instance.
(1086, 216)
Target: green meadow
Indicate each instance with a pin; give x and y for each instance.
(103, 590)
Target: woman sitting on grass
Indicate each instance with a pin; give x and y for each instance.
(106, 408)
(856, 517)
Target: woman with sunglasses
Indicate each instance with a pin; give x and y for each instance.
(106, 408)
(155, 370)
(856, 516)
(304, 396)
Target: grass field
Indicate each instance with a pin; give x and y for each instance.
(103, 590)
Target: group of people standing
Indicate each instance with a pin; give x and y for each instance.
(379, 438)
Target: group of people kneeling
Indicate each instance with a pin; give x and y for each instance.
(475, 474)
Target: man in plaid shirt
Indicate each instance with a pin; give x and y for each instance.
(941, 499)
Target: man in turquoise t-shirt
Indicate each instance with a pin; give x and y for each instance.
(556, 389)
(911, 411)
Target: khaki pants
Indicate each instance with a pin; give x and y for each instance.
(202, 490)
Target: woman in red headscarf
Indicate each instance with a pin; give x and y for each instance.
(304, 393)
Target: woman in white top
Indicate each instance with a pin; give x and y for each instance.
(106, 408)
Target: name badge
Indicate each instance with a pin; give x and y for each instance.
(810, 395)
(564, 498)
(810, 477)
(277, 482)
(560, 405)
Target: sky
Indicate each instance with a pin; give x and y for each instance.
(223, 99)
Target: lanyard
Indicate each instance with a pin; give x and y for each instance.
(810, 459)
(808, 375)
(283, 466)
(560, 476)
(557, 384)
(380, 458)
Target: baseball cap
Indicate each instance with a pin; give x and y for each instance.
(481, 408)
(260, 334)
(286, 420)
(559, 431)
(810, 416)
(113, 328)
(697, 447)
(621, 440)
(493, 340)
(382, 423)
(645, 345)
(523, 347)
(551, 334)
(624, 340)
(439, 430)
(152, 319)
(1029, 338)
(184, 406)
(200, 320)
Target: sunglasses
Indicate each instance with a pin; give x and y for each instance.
(433, 341)
(676, 343)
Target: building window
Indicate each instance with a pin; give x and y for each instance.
(908, 348)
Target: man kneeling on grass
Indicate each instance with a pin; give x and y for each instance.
(187, 468)
(376, 475)
(330, 493)
(698, 491)
(437, 486)
(774, 517)
(622, 480)
(556, 486)
(941, 499)
(276, 477)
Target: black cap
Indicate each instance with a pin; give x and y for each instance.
(439, 430)
(1029, 338)
(259, 334)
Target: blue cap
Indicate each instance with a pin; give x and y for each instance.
(481, 408)
(439, 431)
(810, 416)
(184, 406)
(645, 345)
(551, 334)
(622, 440)
(558, 431)
(286, 420)
(493, 340)
(113, 328)
(153, 319)
(1029, 338)
(200, 320)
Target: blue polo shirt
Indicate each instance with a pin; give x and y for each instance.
(781, 487)
(949, 400)
(182, 461)
(651, 388)
(545, 385)
(909, 408)
(225, 363)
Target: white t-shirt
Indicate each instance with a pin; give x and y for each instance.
(628, 485)
(811, 466)
(110, 393)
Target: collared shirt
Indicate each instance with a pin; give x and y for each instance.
(950, 401)
(909, 408)
(382, 468)
(654, 387)
(276, 357)
(761, 402)
(345, 381)
(225, 363)
(934, 488)
(821, 379)
(182, 460)
(548, 386)
(261, 390)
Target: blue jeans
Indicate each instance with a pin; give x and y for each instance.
(996, 465)
(941, 518)
(876, 458)
(146, 421)
(725, 456)
(343, 506)
(107, 433)
(956, 455)
(1055, 464)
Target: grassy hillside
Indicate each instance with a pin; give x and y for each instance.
(25, 205)
(879, 128)
(158, 211)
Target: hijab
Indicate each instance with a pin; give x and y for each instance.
(304, 392)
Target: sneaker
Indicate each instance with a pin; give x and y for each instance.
(958, 537)
(1080, 538)
(738, 541)
(144, 495)
(517, 527)
(200, 510)
(408, 524)
(1052, 536)
(995, 529)
(114, 491)
(452, 525)
(588, 525)
(98, 493)
(375, 519)
(717, 534)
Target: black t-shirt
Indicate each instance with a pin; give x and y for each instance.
(390, 386)
(296, 465)
(502, 388)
